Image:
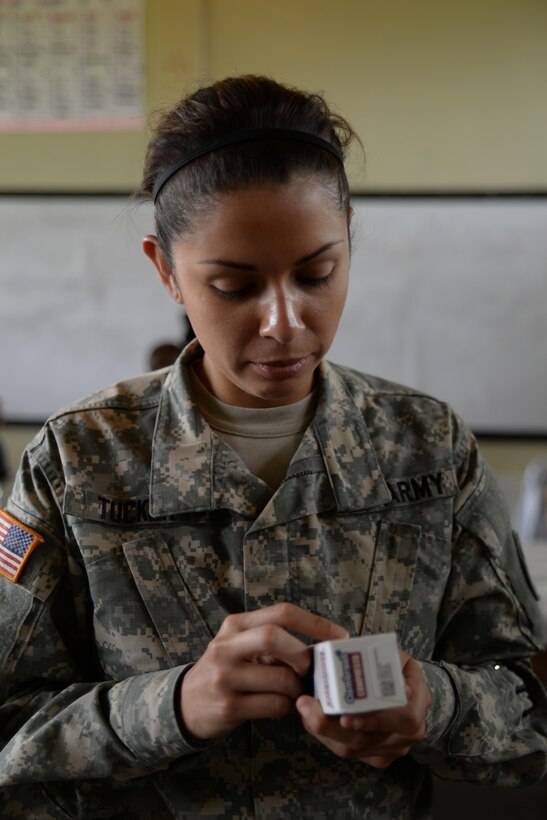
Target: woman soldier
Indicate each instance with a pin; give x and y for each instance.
(174, 543)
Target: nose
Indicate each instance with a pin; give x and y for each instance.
(281, 315)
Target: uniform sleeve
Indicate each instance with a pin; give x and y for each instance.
(61, 723)
(488, 718)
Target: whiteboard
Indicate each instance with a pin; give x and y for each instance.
(80, 304)
(448, 295)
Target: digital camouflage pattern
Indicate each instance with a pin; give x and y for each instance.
(154, 530)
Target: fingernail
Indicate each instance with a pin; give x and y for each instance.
(302, 704)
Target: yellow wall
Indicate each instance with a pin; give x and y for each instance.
(446, 94)
(111, 161)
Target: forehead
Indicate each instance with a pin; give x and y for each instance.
(300, 211)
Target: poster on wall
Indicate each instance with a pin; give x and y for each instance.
(71, 65)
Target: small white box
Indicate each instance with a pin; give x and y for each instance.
(358, 674)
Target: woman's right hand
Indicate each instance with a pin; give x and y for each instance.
(252, 669)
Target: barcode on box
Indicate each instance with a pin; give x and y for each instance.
(386, 681)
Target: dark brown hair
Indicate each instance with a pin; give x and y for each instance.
(230, 105)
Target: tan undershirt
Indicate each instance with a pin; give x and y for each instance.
(264, 438)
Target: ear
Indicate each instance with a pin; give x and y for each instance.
(151, 248)
(351, 226)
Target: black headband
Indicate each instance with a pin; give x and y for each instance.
(244, 136)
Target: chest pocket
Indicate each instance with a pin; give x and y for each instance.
(180, 626)
(144, 617)
(392, 577)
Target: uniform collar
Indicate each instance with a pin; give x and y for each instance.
(185, 454)
(192, 470)
(349, 456)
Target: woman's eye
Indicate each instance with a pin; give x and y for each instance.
(316, 282)
(238, 293)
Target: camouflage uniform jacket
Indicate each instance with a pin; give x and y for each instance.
(154, 529)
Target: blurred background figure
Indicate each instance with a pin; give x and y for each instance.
(164, 354)
(531, 516)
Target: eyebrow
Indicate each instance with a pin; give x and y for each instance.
(243, 266)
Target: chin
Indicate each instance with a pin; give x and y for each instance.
(280, 396)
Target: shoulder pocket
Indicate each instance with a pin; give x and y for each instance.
(527, 594)
(525, 582)
(485, 516)
(15, 606)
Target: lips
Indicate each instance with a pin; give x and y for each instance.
(280, 368)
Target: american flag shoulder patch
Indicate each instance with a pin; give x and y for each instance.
(16, 544)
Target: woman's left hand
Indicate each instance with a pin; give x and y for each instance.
(376, 738)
